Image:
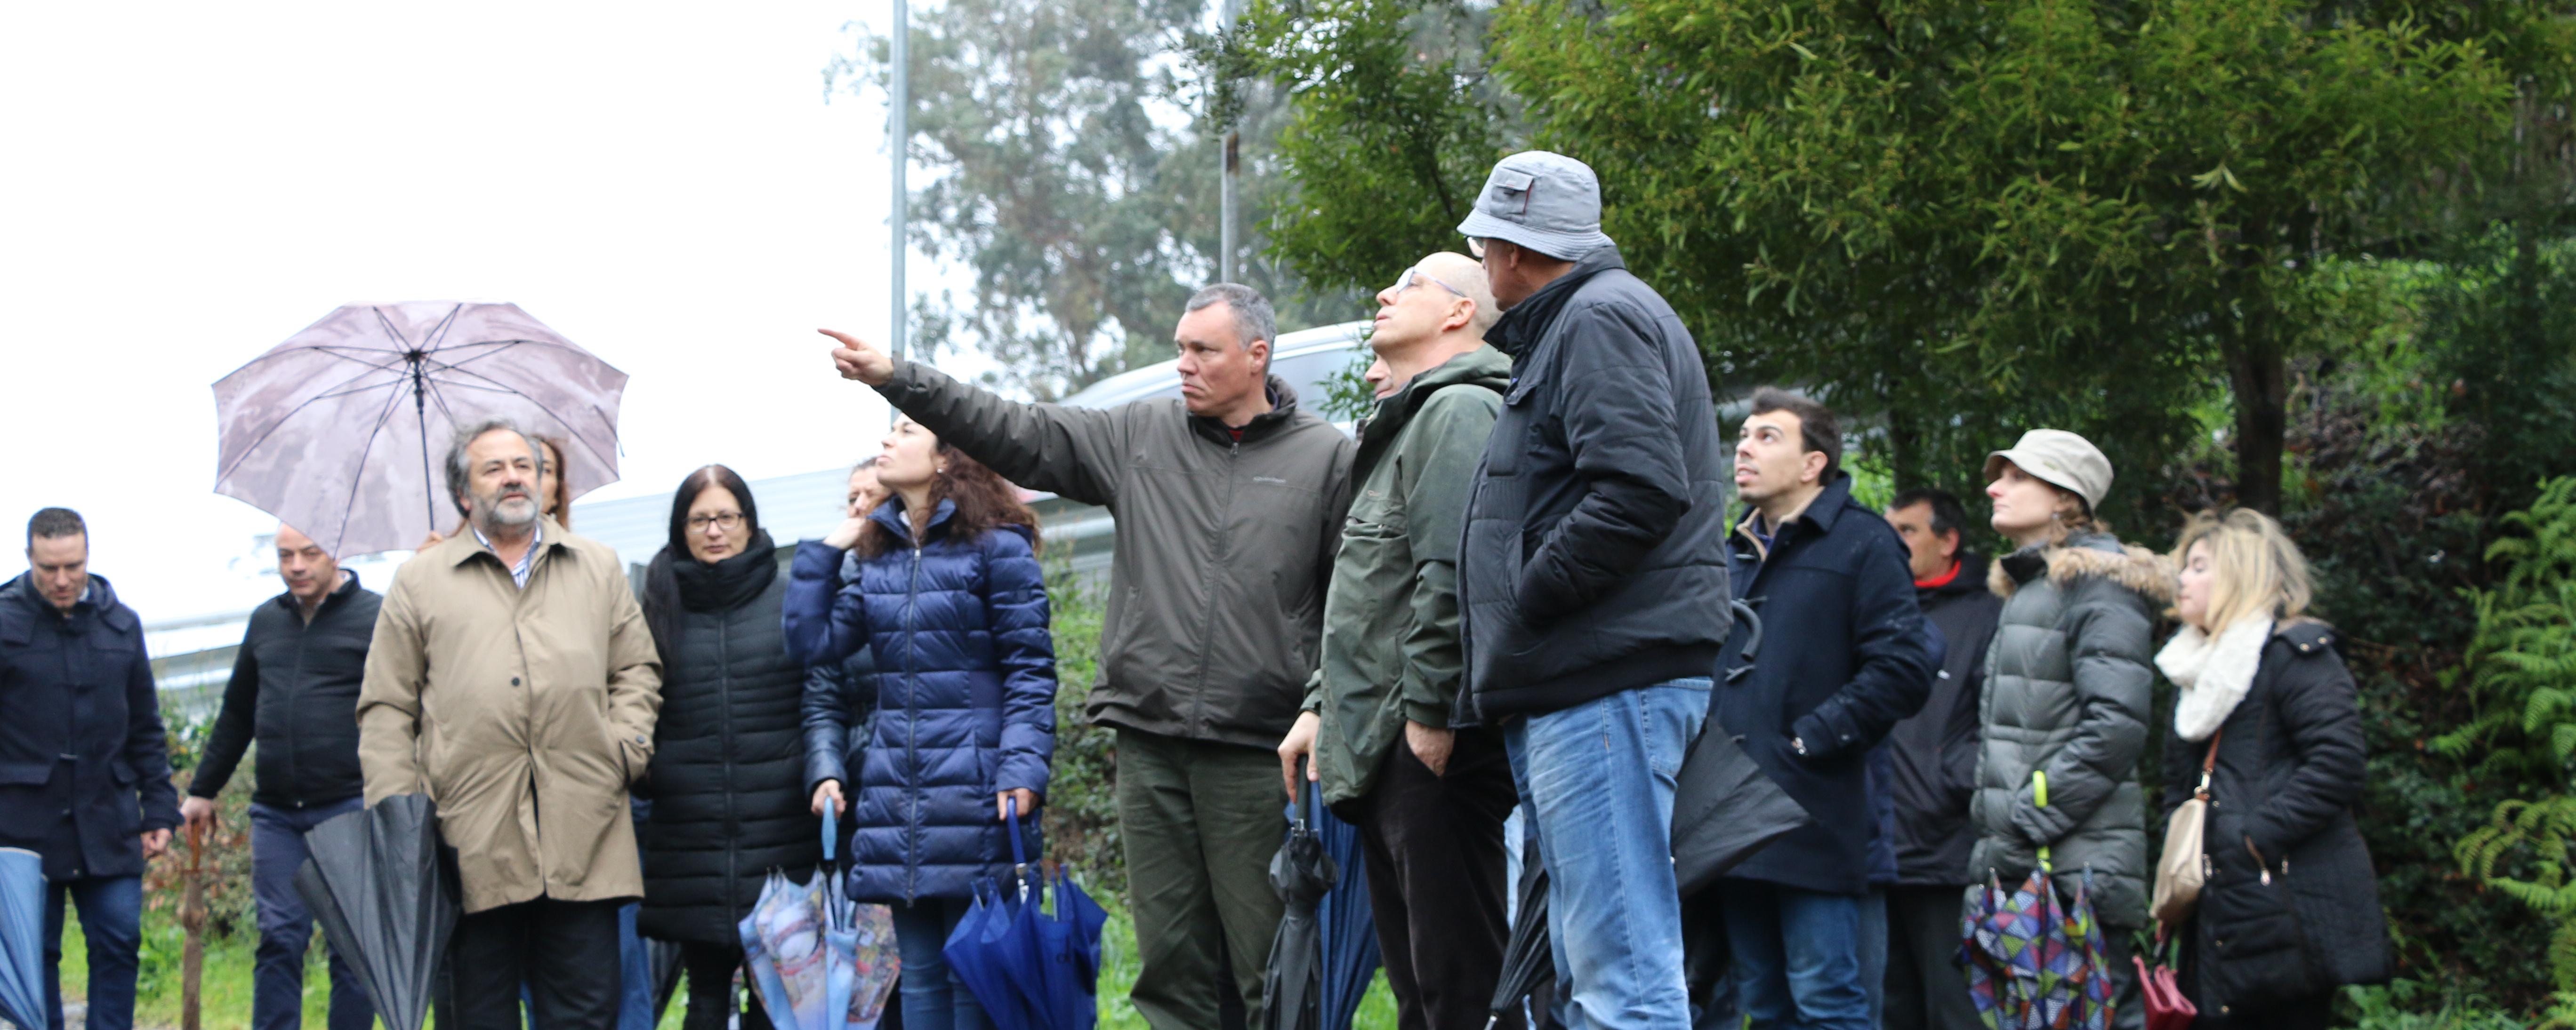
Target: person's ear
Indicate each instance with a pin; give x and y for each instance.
(1950, 542)
(1462, 313)
(1811, 466)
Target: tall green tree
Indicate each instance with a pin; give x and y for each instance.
(2063, 210)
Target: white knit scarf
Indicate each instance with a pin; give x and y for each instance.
(2213, 674)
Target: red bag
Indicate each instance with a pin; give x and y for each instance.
(2167, 1008)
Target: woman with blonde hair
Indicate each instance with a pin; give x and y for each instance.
(2290, 907)
(2068, 692)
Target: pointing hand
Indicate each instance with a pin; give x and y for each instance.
(859, 359)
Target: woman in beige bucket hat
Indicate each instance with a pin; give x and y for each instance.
(2067, 690)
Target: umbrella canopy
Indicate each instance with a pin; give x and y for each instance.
(341, 430)
(998, 952)
(1528, 963)
(1348, 925)
(1724, 809)
(2033, 961)
(1292, 990)
(387, 899)
(22, 937)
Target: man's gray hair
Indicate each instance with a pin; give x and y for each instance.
(1253, 318)
(458, 474)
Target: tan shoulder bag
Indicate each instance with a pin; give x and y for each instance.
(2184, 867)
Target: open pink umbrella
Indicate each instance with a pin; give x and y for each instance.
(341, 430)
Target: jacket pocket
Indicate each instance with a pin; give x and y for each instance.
(2258, 952)
(26, 774)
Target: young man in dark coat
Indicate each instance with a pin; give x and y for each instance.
(84, 763)
(1843, 659)
(295, 691)
(1592, 580)
(1933, 769)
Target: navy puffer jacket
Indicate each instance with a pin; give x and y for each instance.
(965, 696)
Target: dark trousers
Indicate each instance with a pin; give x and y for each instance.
(1435, 852)
(111, 917)
(286, 928)
(1200, 821)
(710, 968)
(565, 950)
(1926, 989)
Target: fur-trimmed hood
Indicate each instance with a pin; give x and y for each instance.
(2091, 554)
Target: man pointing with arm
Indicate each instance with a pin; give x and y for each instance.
(1228, 503)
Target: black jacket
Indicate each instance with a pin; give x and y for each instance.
(2290, 765)
(295, 690)
(84, 764)
(839, 701)
(1933, 754)
(1843, 658)
(1595, 554)
(726, 775)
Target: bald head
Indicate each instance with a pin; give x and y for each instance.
(310, 575)
(1437, 310)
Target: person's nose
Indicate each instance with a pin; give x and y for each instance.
(1995, 489)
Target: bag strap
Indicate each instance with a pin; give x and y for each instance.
(2208, 763)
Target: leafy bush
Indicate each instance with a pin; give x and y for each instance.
(230, 906)
(1082, 793)
(2521, 673)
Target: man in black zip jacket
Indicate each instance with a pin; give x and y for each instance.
(1593, 579)
(294, 690)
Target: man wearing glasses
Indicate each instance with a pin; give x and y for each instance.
(1380, 720)
(1594, 579)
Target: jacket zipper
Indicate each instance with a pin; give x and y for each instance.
(724, 694)
(1208, 580)
(911, 735)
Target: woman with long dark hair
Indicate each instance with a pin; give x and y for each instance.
(727, 760)
(942, 580)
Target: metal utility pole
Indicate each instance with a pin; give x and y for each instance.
(1225, 188)
(898, 140)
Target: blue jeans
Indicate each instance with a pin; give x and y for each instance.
(933, 997)
(1597, 780)
(286, 927)
(111, 916)
(1797, 956)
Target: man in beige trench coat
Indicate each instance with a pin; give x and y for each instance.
(512, 679)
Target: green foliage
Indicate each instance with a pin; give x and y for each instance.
(1082, 791)
(2406, 1004)
(1348, 395)
(2521, 673)
(1974, 218)
(1395, 121)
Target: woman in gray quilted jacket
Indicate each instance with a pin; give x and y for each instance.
(2068, 689)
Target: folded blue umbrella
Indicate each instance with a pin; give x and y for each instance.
(1063, 949)
(986, 951)
(22, 937)
(1348, 924)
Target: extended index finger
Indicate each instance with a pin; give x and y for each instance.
(847, 340)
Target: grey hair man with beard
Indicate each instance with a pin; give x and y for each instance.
(512, 679)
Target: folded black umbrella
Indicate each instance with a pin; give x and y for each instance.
(387, 898)
(1724, 808)
(1529, 966)
(1292, 989)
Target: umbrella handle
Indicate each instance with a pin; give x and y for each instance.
(831, 831)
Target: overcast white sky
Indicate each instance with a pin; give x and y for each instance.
(189, 184)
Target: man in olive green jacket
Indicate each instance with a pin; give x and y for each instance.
(512, 679)
(1228, 503)
(1429, 797)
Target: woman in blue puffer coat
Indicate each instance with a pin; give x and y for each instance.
(942, 583)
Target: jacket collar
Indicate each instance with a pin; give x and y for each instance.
(1521, 327)
(1969, 579)
(1283, 406)
(891, 516)
(348, 585)
(465, 545)
(1821, 513)
(1485, 366)
(98, 599)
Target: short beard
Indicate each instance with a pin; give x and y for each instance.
(492, 513)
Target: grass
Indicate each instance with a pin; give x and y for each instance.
(224, 990)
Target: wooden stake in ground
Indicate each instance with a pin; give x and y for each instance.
(192, 917)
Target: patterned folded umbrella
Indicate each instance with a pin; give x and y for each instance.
(2034, 962)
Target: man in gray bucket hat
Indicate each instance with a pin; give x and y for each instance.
(1593, 580)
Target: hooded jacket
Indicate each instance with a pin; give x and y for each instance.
(1932, 767)
(525, 713)
(965, 691)
(1595, 557)
(1391, 617)
(295, 690)
(728, 757)
(2290, 765)
(1843, 658)
(84, 763)
(2067, 691)
(1216, 593)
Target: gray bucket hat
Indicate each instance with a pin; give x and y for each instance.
(1546, 202)
(2058, 458)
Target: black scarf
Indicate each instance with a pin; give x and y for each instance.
(673, 585)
